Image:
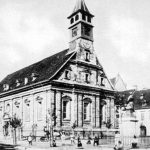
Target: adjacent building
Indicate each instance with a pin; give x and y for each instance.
(118, 83)
(141, 109)
(70, 85)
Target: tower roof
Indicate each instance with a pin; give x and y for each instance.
(80, 7)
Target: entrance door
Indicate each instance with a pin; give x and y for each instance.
(143, 130)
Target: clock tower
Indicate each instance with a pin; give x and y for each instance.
(81, 28)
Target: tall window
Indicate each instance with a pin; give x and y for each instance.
(87, 55)
(39, 110)
(27, 110)
(87, 77)
(86, 111)
(66, 110)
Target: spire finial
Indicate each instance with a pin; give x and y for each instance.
(80, 7)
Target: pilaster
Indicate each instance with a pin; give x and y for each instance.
(58, 109)
(97, 112)
(80, 113)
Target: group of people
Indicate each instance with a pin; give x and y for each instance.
(118, 142)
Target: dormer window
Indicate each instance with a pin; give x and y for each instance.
(17, 83)
(87, 56)
(25, 81)
(34, 76)
(102, 82)
(67, 74)
(5, 87)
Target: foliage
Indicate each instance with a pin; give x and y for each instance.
(108, 123)
(15, 122)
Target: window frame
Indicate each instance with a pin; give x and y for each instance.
(87, 55)
(87, 77)
(87, 110)
(67, 108)
(67, 74)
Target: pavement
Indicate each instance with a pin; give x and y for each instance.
(38, 145)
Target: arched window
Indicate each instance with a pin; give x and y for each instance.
(39, 100)
(66, 108)
(76, 17)
(87, 56)
(87, 77)
(39, 110)
(87, 109)
(72, 20)
(27, 110)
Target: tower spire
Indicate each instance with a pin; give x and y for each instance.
(80, 7)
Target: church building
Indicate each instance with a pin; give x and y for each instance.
(71, 86)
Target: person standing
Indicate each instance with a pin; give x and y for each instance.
(79, 144)
(72, 139)
(30, 139)
(119, 146)
(63, 137)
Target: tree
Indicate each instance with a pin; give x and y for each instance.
(15, 123)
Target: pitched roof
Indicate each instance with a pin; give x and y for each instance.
(80, 6)
(113, 81)
(44, 69)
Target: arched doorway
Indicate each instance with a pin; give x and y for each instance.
(142, 130)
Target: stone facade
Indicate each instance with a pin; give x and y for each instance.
(70, 85)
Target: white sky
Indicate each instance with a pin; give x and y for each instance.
(31, 30)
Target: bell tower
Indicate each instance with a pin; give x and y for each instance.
(81, 28)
